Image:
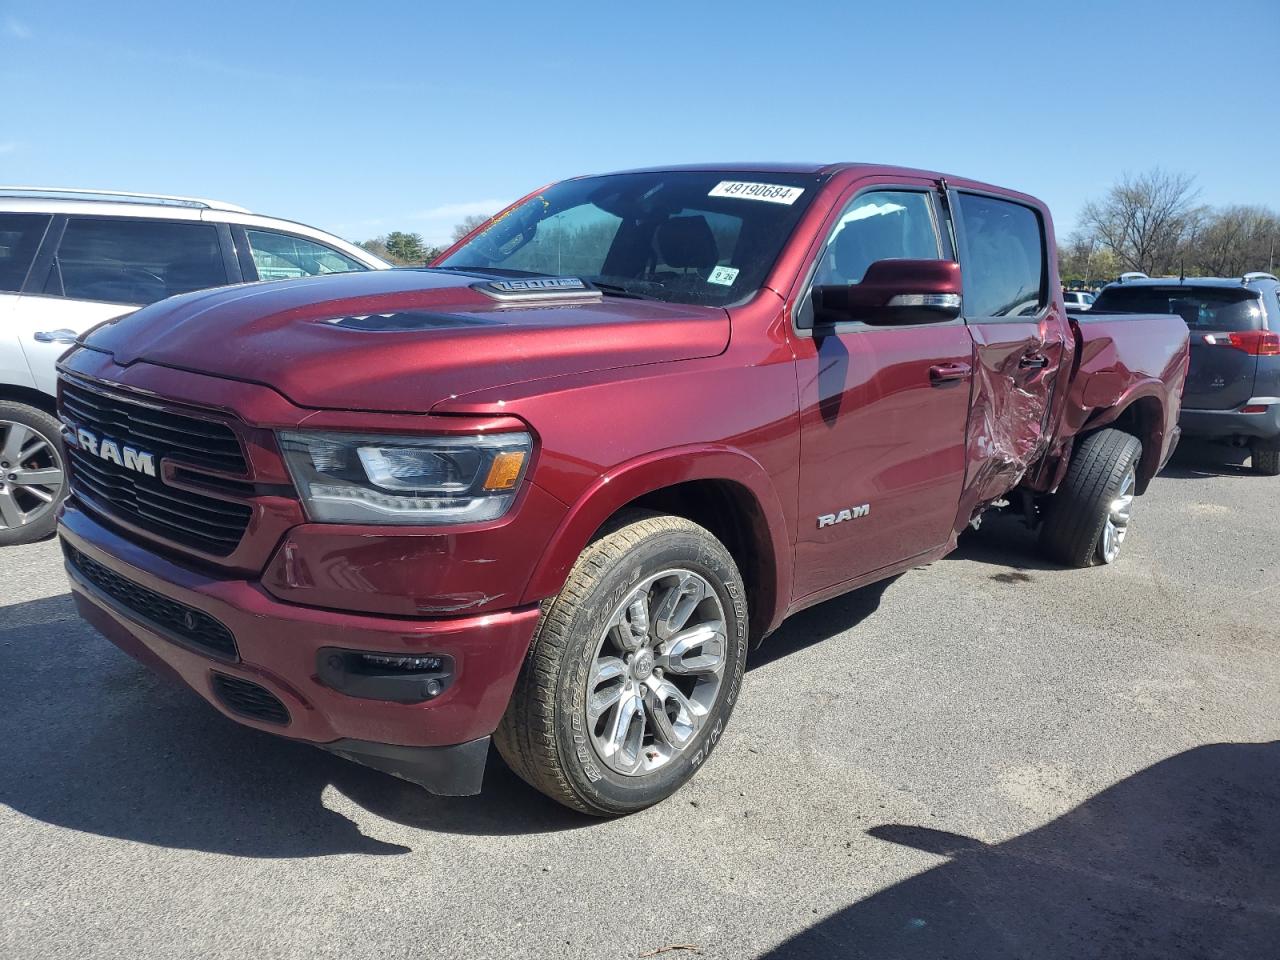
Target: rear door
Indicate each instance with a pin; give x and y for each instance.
(1019, 334)
(1224, 322)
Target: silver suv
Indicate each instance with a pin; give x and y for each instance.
(71, 259)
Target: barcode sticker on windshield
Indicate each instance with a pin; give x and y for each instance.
(723, 276)
(770, 192)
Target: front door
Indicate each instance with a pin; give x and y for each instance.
(883, 409)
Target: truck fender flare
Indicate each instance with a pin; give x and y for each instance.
(1147, 421)
(625, 483)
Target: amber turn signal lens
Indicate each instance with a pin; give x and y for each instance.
(505, 470)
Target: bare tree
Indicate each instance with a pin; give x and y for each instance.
(1236, 240)
(1146, 220)
(466, 225)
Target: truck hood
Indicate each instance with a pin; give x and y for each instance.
(403, 340)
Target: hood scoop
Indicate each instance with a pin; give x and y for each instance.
(538, 290)
(406, 321)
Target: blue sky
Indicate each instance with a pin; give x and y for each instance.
(363, 118)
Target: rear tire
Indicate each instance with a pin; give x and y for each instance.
(652, 618)
(1087, 519)
(33, 479)
(1266, 457)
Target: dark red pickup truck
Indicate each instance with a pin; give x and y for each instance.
(554, 488)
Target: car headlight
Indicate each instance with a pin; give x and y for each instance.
(359, 478)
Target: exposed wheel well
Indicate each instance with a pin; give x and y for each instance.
(732, 514)
(1143, 419)
(32, 398)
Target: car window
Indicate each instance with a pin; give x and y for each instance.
(1202, 308)
(281, 256)
(1003, 258)
(882, 225)
(683, 236)
(135, 261)
(20, 236)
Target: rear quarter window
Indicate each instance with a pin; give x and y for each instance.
(20, 236)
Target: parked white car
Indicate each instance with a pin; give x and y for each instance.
(70, 259)
(1078, 300)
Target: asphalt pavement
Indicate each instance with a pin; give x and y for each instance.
(986, 758)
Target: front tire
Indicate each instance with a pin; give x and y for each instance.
(1087, 520)
(33, 478)
(633, 671)
(1266, 457)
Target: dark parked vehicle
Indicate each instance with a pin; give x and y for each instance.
(553, 489)
(1233, 387)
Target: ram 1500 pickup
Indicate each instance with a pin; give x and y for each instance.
(553, 489)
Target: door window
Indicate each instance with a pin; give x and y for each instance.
(20, 236)
(280, 256)
(882, 225)
(1003, 258)
(135, 261)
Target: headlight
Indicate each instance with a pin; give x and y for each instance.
(356, 478)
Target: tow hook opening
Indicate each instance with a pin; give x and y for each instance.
(398, 677)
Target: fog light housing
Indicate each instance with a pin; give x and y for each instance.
(398, 677)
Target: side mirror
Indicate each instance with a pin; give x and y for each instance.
(893, 292)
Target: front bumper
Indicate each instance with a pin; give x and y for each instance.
(440, 744)
(1229, 424)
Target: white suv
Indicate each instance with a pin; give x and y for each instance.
(70, 259)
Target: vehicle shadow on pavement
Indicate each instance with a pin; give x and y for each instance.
(1004, 540)
(91, 740)
(1197, 459)
(1179, 860)
(819, 623)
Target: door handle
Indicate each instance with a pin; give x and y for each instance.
(942, 374)
(1033, 361)
(56, 336)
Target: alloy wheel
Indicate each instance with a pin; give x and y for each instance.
(31, 474)
(1118, 515)
(658, 669)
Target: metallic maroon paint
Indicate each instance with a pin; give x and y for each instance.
(279, 643)
(624, 398)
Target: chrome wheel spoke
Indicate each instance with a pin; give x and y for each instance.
(676, 603)
(604, 687)
(625, 734)
(676, 718)
(699, 649)
(10, 514)
(39, 477)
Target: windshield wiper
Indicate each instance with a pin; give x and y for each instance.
(618, 290)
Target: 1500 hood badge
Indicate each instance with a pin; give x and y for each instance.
(538, 288)
(130, 458)
(849, 513)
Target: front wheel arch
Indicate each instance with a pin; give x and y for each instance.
(719, 488)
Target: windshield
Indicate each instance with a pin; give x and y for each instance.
(1204, 308)
(679, 236)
